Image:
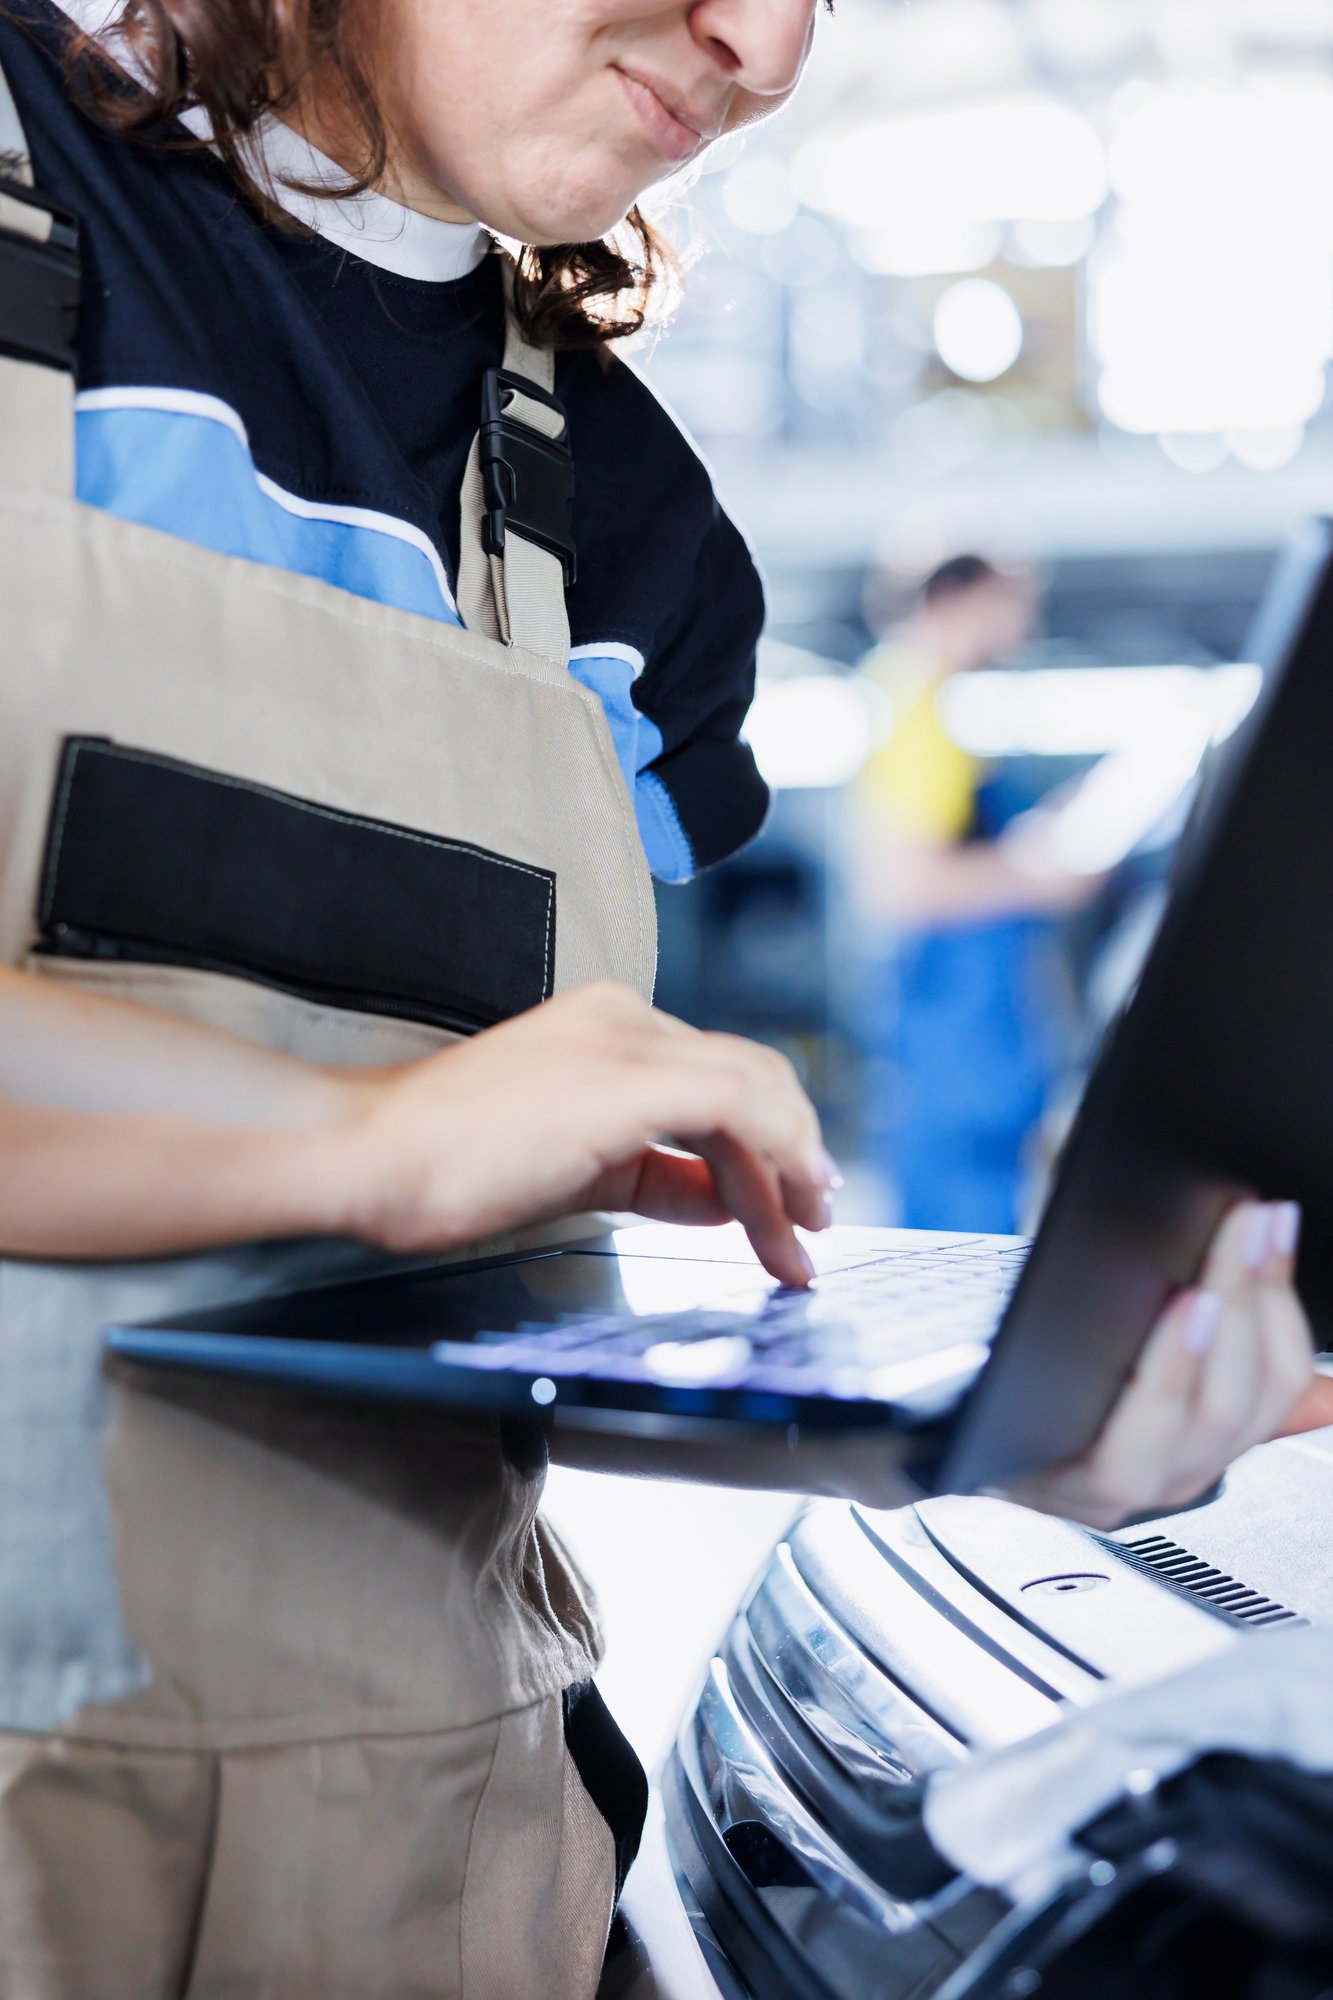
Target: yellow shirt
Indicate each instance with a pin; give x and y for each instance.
(919, 779)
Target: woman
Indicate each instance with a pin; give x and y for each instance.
(305, 773)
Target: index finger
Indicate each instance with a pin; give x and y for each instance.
(752, 1191)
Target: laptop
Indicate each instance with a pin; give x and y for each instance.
(993, 1359)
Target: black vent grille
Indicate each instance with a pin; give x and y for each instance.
(1180, 1569)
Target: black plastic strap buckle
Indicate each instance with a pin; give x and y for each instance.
(39, 279)
(528, 478)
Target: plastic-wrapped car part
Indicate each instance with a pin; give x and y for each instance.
(1253, 1837)
(1218, 1886)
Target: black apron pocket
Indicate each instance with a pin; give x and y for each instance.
(156, 861)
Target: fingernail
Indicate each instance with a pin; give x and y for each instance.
(826, 1210)
(832, 1178)
(1286, 1228)
(807, 1263)
(1258, 1236)
(1202, 1321)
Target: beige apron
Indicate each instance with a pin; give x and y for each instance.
(279, 1682)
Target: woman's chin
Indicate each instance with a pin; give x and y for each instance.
(578, 217)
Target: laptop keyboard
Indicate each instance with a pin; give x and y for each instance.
(834, 1339)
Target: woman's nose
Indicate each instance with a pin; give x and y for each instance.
(760, 44)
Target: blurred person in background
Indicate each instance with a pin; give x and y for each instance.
(959, 894)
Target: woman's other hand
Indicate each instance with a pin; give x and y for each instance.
(562, 1109)
(1228, 1366)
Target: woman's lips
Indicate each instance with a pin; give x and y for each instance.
(666, 133)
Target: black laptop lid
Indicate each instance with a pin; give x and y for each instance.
(1216, 1081)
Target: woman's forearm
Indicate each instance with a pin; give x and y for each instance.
(77, 1185)
(65, 1049)
(128, 1132)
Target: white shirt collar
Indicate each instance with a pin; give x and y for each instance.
(370, 226)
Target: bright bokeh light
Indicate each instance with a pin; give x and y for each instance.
(1022, 159)
(978, 330)
(758, 196)
(1119, 804)
(1266, 451)
(1212, 308)
(953, 428)
(948, 49)
(816, 729)
(926, 246)
(1194, 451)
(813, 730)
(1054, 244)
(1085, 31)
(1090, 711)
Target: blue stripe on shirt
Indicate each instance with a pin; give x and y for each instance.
(190, 473)
(193, 476)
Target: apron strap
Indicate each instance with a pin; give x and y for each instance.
(39, 301)
(14, 161)
(516, 549)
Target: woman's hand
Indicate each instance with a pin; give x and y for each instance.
(561, 1109)
(130, 1133)
(1227, 1366)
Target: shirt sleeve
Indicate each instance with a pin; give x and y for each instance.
(668, 585)
(698, 694)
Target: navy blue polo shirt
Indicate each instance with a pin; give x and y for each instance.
(307, 397)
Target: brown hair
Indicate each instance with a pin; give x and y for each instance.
(237, 59)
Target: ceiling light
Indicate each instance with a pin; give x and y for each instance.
(1018, 159)
(812, 731)
(1211, 309)
(978, 330)
(926, 246)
